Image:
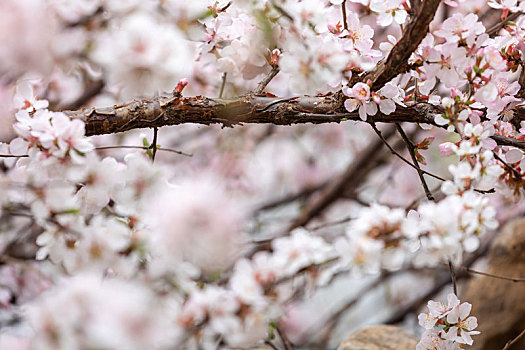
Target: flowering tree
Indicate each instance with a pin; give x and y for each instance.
(195, 236)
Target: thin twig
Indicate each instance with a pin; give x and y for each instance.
(469, 270)
(290, 197)
(13, 156)
(434, 192)
(453, 275)
(510, 342)
(399, 155)
(411, 150)
(223, 83)
(496, 28)
(270, 344)
(154, 144)
(332, 223)
(286, 343)
(283, 12)
(146, 148)
(267, 79)
(515, 172)
(343, 9)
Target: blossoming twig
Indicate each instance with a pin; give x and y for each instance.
(496, 27)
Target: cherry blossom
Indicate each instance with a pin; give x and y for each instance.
(461, 28)
(219, 245)
(447, 326)
(149, 55)
(390, 10)
(25, 98)
(360, 98)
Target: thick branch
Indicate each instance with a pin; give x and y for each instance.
(397, 61)
(162, 111)
(249, 109)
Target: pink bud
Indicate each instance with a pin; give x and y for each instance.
(180, 86)
(454, 92)
(425, 143)
(274, 58)
(446, 149)
(376, 98)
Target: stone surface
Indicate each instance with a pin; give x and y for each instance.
(379, 338)
(498, 304)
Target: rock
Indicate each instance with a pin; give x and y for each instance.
(379, 338)
(499, 304)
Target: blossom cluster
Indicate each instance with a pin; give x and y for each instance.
(447, 326)
(382, 237)
(177, 252)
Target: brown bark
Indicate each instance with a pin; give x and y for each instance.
(162, 111)
(249, 109)
(397, 61)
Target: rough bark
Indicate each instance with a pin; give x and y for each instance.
(397, 61)
(249, 109)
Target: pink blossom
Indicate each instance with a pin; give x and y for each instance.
(360, 94)
(459, 27)
(25, 98)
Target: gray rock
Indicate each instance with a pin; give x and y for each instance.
(380, 338)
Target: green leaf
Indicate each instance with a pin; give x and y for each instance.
(271, 330)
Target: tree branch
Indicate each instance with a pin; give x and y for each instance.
(248, 109)
(397, 61)
(162, 111)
